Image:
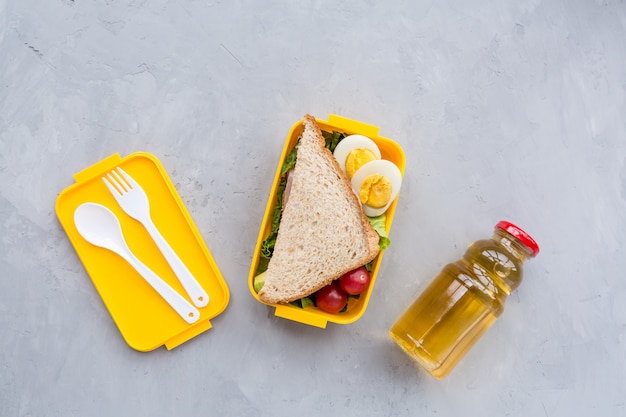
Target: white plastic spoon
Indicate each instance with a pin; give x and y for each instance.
(100, 227)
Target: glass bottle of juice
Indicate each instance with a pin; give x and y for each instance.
(464, 300)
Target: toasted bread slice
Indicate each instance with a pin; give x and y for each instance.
(323, 232)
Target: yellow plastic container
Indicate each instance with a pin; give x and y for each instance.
(313, 316)
(145, 320)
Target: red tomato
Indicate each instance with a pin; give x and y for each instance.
(331, 298)
(355, 281)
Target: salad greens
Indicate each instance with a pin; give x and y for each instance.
(332, 139)
(378, 223)
(290, 160)
(267, 247)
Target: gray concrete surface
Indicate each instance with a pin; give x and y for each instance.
(505, 109)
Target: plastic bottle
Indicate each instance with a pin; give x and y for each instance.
(464, 300)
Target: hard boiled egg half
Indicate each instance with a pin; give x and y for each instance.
(375, 181)
(377, 184)
(355, 151)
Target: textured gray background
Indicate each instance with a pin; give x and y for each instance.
(505, 109)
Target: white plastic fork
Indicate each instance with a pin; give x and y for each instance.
(134, 201)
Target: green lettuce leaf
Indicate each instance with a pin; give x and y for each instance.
(378, 223)
(290, 160)
(267, 247)
(332, 139)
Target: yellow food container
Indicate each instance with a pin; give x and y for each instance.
(311, 315)
(144, 319)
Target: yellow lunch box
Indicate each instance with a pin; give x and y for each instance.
(311, 315)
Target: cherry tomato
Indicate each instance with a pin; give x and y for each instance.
(355, 281)
(331, 298)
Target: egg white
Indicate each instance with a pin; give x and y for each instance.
(385, 168)
(349, 143)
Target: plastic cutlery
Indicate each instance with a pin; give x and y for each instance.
(134, 201)
(99, 226)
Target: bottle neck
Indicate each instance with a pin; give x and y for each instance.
(498, 262)
(514, 246)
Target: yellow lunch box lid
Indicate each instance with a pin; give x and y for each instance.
(390, 150)
(143, 318)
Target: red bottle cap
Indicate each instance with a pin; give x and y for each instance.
(520, 235)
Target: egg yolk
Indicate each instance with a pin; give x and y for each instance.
(375, 191)
(357, 158)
